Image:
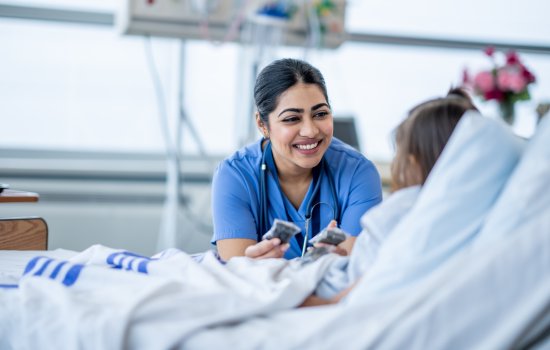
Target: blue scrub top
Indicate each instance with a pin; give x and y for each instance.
(236, 194)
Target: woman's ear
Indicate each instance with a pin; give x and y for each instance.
(261, 126)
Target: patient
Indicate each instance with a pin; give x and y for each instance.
(419, 141)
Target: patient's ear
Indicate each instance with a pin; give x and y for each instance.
(415, 175)
(406, 171)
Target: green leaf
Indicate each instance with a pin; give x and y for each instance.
(522, 96)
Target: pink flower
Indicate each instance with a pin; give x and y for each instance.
(511, 80)
(527, 74)
(494, 95)
(484, 81)
(507, 81)
(512, 57)
(489, 51)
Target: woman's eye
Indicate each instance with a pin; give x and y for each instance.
(290, 119)
(321, 115)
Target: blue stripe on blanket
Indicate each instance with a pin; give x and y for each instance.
(142, 267)
(55, 272)
(31, 264)
(36, 261)
(72, 275)
(127, 260)
(9, 286)
(43, 268)
(111, 258)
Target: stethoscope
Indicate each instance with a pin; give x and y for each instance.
(267, 156)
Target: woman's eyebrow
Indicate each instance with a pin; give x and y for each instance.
(295, 110)
(300, 110)
(317, 106)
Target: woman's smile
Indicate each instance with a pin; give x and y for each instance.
(300, 129)
(308, 148)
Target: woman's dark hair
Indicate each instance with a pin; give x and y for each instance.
(278, 77)
(421, 137)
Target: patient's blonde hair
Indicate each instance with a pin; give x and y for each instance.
(421, 137)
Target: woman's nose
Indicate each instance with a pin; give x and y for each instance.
(309, 129)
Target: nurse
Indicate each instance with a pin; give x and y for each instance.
(296, 172)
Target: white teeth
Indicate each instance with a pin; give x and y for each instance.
(306, 147)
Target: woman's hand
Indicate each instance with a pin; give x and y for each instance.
(269, 248)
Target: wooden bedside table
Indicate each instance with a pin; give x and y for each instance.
(25, 233)
(13, 196)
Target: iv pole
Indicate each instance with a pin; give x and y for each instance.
(169, 235)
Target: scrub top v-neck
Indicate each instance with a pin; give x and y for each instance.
(236, 194)
(308, 206)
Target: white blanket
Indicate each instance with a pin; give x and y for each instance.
(109, 299)
(486, 299)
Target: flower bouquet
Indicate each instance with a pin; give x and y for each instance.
(506, 82)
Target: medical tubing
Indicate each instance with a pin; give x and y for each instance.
(263, 200)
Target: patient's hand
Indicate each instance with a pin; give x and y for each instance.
(314, 300)
(268, 248)
(336, 249)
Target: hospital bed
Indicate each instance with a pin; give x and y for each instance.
(30, 233)
(467, 268)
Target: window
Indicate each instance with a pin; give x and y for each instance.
(502, 21)
(86, 88)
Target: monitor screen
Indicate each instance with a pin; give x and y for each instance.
(344, 129)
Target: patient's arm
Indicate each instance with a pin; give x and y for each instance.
(314, 300)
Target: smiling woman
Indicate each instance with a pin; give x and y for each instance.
(300, 130)
(297, 172)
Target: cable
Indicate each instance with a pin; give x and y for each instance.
(172, 150)
(235, 25)
(159, 95)
(314, 35)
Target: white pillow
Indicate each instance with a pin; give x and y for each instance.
(526, 198)
(451, 208)
(378, 223)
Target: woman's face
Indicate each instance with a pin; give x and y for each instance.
(300, 129)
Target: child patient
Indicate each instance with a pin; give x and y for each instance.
(419, 140)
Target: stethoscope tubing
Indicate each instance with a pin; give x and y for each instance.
(309, 207)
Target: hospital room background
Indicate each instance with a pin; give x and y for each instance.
(117, 112)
